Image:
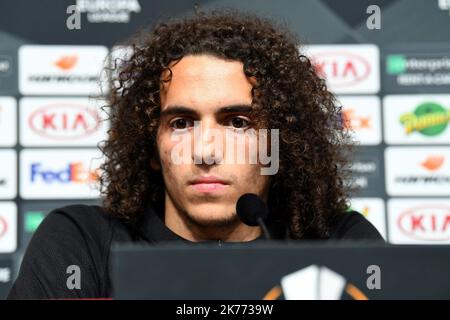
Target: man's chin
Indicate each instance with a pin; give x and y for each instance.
(214, 220)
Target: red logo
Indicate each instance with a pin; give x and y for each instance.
(66, 62)
(430, 223)
(3, 227)
(64, 121)
(341, 69)
(433, 163)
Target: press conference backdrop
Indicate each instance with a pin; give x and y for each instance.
(393, 83)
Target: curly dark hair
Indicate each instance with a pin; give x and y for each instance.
(309, 191)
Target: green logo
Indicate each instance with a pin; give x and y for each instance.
(429, 118)
(32, 220)
(396, 64)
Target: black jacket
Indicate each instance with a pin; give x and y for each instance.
(82, 235)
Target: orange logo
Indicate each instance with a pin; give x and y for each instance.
(433, 163)
(66, 62)
(354, 122)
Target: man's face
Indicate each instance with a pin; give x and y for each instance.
(218, 94)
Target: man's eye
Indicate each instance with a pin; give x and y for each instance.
(239, 122)
(181, 123)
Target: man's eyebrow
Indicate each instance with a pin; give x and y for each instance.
(183, 110)
(237, 108)
(177, 110)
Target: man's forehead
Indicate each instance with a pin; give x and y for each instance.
(205, 82)
(204, 65)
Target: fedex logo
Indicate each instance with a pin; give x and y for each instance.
(59, 174)
(362, 116)
(72, 173)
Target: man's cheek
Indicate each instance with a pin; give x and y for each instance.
(256, 180)
(168, 167)
(165, 152)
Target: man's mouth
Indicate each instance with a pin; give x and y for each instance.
(208, 183)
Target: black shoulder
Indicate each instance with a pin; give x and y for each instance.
(89, 222)
(75, 235)
(354, 226)
(90, 219)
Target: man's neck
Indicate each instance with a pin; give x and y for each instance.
(179, 223)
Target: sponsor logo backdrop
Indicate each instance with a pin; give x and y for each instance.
(392, 84)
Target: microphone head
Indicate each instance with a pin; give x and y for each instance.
(249, 208)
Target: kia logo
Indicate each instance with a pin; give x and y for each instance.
(64, 121)
(341, 69)
(3, 227)
(430, 223)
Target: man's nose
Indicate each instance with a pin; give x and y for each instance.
(208, 143)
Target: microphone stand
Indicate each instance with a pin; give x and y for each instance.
(264, 228)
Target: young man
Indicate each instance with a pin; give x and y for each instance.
(222, 75)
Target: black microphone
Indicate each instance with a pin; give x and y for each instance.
(252, 211)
